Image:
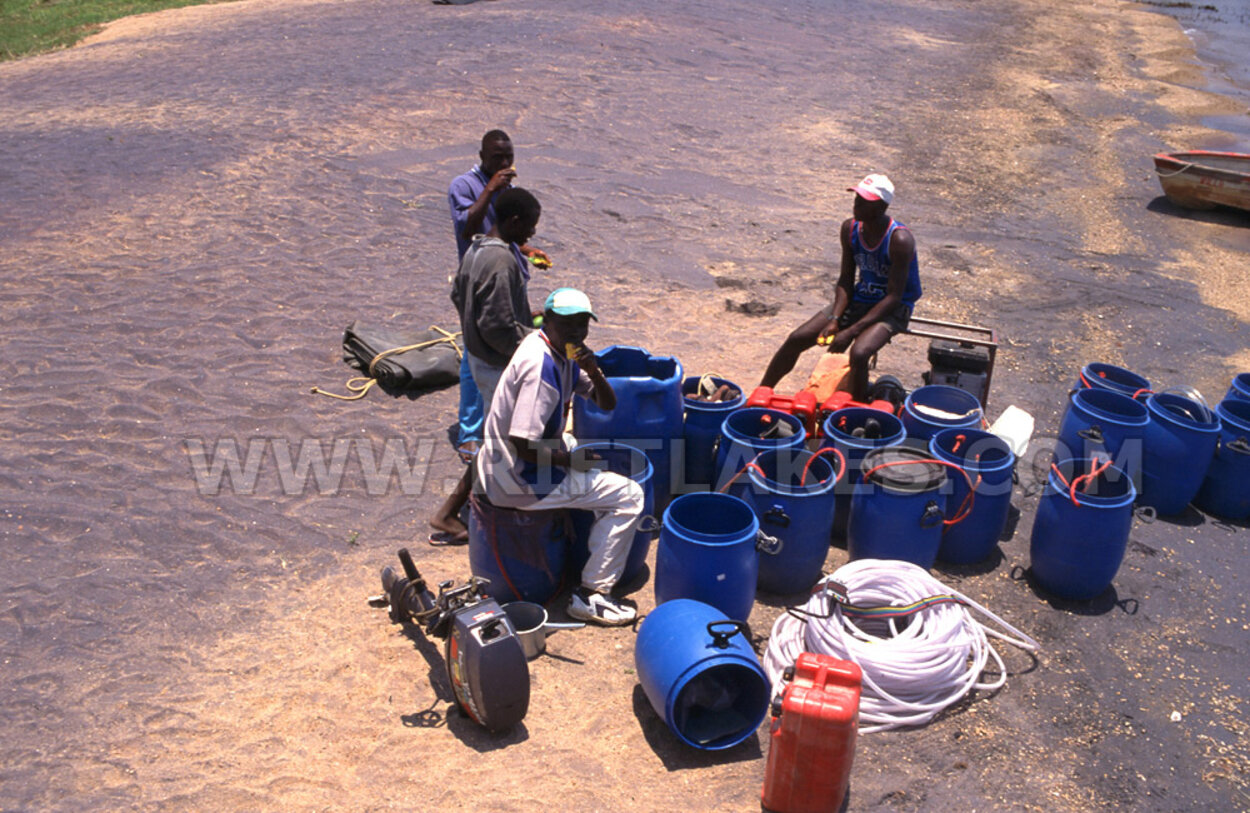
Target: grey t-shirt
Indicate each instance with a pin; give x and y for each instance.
(490, 292)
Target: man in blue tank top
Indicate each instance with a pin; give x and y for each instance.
(869, 307)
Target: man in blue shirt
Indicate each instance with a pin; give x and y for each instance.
(867, 311)
(471, 198)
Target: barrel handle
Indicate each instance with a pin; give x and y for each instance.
(649, 524)
(768, 544)
(1093, 433)
(720, 638)
(777, 516)
(1241, 446)
(932, 515)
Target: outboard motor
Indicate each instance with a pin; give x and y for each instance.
(483, 656)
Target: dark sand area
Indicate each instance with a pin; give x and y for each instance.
(194, 204)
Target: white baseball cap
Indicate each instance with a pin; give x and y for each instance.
(569, 302)
(874, 187)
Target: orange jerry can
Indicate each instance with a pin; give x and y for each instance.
(801, 405)
(812, 737)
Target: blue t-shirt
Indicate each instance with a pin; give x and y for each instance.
(873, 281)
(462, 194)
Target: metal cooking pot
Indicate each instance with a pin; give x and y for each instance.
(531, 625)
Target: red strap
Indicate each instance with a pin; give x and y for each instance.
(964, 509)
(837, 473)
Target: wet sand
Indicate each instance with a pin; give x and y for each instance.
(195, 203)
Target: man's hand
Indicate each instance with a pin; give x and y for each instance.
(843, 340)
(584, 358)
(501, 180)
(537, 257)
(826, 335)
(582, 460)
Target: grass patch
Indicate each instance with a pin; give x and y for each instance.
(34, 26)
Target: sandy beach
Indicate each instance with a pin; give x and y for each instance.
(195, 203)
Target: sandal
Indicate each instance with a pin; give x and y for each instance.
(443, 539)
(467, 451)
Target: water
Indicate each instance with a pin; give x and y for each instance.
(1220, 31)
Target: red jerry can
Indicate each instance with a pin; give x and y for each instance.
(841, 400)
(812, 737)
(802, 405)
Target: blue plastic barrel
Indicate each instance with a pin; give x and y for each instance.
(988, 461)
(1240, 388)
(1180, 442)
(626, 461)
(791, 492)
(522, 553)
(897, 512)
(648, 412)
(707, 553)
(742, 438)
(856, 431)
(1225, 490)
(1077, 547)
(701, 430)
(1110, 377)
(1106, 422)
(929, 409)
(701, 675)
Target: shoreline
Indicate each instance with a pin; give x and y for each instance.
(1219, 40)
(201, 199)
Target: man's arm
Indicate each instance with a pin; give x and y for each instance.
(601, 391)
(902, 249)
(549, 453)
(469, 212)
(496, 312)
(845, 286)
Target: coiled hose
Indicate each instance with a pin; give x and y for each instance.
(915, 639)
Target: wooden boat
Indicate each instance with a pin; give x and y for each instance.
(1204, 180)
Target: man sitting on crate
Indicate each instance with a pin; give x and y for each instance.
(866, 312)
(526, 460)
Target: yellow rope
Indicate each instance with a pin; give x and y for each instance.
(362, 389)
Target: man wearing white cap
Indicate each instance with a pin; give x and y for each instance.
(870, 308)
(527, 461)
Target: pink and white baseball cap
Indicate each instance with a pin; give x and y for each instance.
(874, 187)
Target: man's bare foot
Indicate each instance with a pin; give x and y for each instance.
(448, 531)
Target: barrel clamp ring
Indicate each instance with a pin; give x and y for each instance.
(766, 543)
(649, 524)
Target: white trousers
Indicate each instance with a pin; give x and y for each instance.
(617, 503)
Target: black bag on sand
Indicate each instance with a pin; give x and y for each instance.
(399, 360)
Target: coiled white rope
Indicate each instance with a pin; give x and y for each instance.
(912, 670)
